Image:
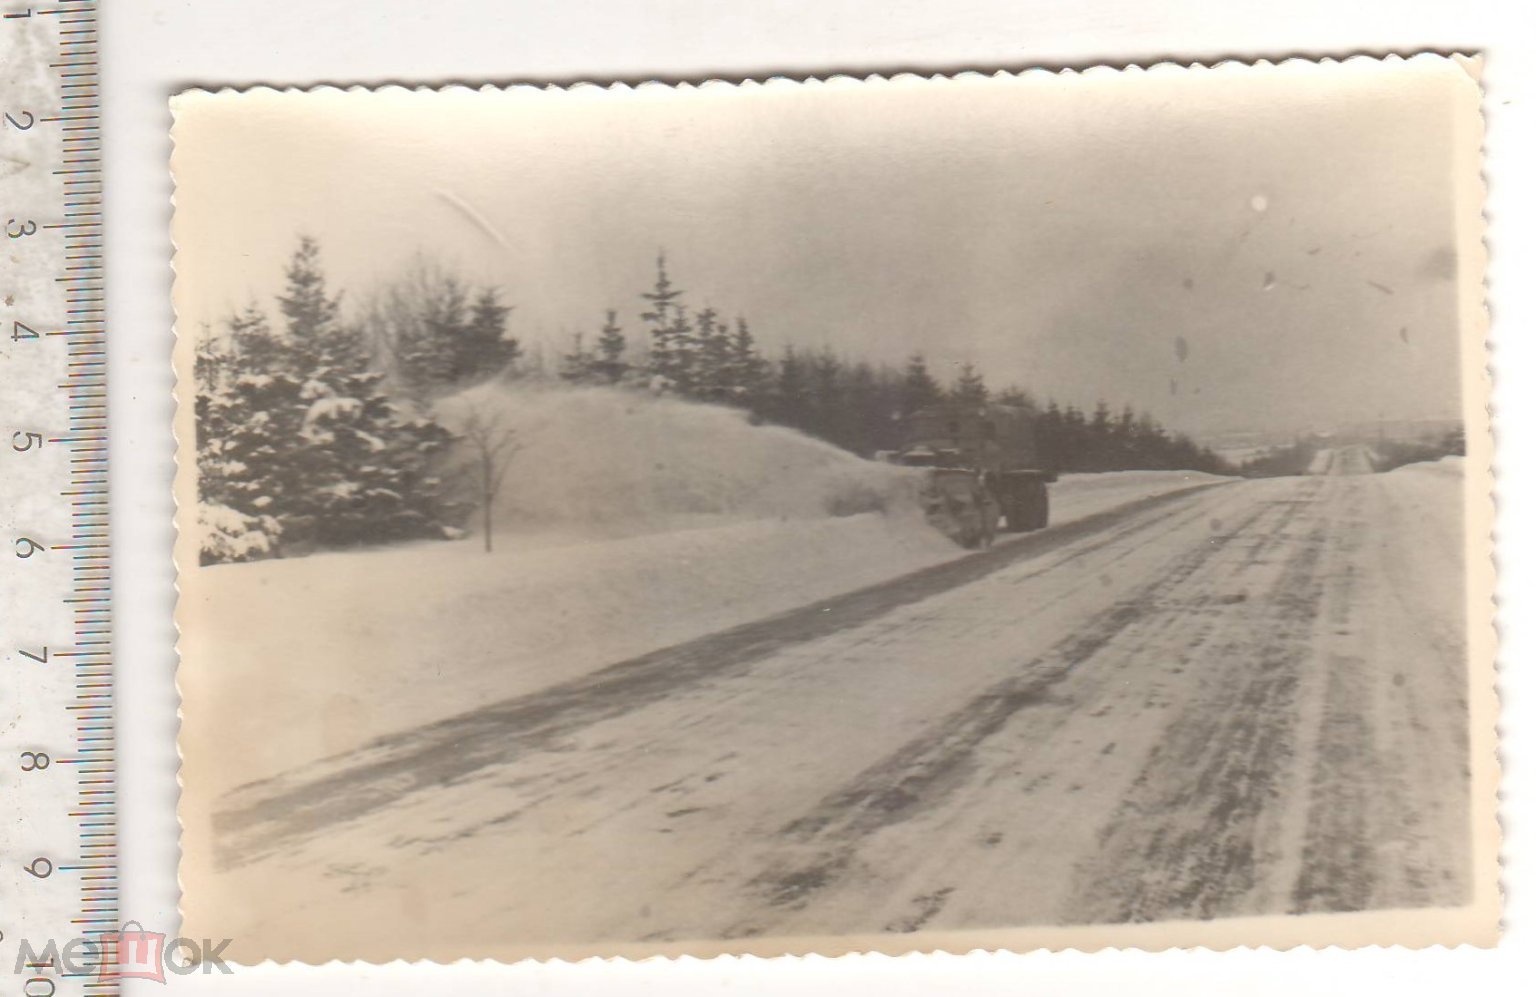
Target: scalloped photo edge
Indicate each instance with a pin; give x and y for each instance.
(398, 743)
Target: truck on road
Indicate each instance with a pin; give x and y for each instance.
(984, 462)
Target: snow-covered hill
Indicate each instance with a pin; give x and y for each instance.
(602, 460)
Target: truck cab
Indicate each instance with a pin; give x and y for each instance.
(995, 446)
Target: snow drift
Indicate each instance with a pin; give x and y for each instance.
(619, 461)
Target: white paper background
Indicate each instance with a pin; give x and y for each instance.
(152, 49)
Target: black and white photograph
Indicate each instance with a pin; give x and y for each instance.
(995, 510)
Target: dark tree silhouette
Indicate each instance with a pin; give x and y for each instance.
(918, 388)
(609, 365)
(970, 386)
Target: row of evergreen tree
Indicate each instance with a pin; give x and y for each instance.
(851, 403)
(318, 431)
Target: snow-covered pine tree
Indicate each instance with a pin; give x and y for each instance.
(300, 433)
(370, 465)
(212, 413)
(250, 406)
(318, 344)
(609, 364)
(712, 362)
(248, 403)
(577, 366)
(673, 352)
(663, 296)
(211, 369)
(748, 370)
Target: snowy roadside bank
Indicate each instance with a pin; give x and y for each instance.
(1444, 468)
(408, 635)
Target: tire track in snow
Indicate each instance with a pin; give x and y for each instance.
(921, 774)
(1185, 842)
(1338, 863)
(1368, 840)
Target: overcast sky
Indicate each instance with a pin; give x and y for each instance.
(1294, 226)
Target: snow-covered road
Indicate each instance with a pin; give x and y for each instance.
(1244, 698)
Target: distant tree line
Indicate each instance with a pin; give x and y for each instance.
(1274, 462)
(848, 402)
(1385, 454)
(1388, 454)
(316, 430)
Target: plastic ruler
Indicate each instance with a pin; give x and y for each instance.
(58, 852)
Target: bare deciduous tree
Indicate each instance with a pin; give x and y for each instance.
(492, 444)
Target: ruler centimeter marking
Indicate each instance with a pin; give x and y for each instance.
(58, 788)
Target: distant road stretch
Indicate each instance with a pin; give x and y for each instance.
(1353, 459)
